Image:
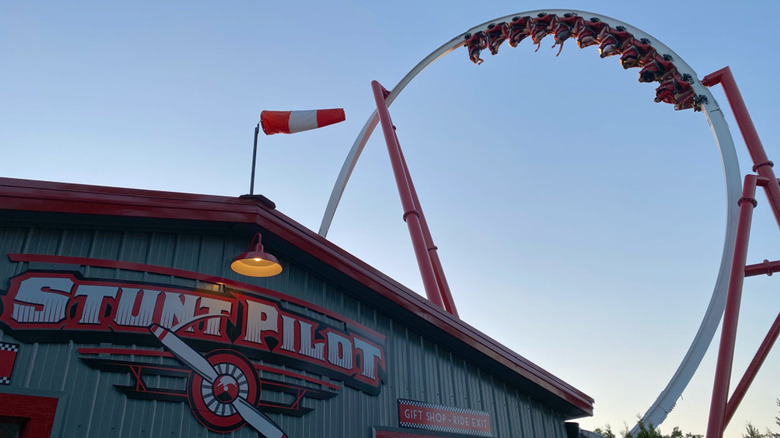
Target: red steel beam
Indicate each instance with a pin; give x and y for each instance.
(765, 268)
(411, 215)
(438, 269)
(761, 163)
(728, 335)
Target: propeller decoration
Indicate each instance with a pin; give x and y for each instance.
(214, 381)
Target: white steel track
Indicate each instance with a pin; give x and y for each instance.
(665, 402)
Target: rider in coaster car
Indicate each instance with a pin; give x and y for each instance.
(675, 89)
(637, 53)
(541, 27)
(475, 44)
(519, 29)
(588, 36)
(659, 69)
(496, 35)
(613, 41)
(564, 28)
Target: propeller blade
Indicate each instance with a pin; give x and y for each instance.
(184, 352)
(257, 419)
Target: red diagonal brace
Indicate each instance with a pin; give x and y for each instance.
(752, 370)
(438, 270)
(137, 373)
(411, 215)
(297, 403)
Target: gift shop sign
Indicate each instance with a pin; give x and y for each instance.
(419, 415)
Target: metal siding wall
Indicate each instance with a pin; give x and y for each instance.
(417, 368)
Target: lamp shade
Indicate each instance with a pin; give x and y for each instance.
(256, 262)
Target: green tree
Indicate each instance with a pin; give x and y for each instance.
(752, 432)
(606, 432)
(645, 431)
(777, 419)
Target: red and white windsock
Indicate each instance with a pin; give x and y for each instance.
(290, 122)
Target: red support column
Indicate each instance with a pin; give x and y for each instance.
(761, 163)
(721, 411)
(438, 270)
(411, 215)
(728, 336)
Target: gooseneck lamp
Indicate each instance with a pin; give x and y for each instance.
(256, 262)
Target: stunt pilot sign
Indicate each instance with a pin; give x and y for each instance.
(211, 340)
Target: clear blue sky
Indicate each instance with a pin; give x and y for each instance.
(579, 223)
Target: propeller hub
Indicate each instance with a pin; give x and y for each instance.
(226, 388)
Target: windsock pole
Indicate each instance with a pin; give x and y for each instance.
(254, 161)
